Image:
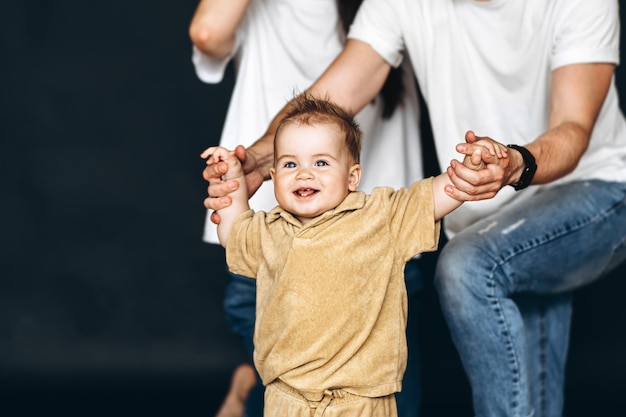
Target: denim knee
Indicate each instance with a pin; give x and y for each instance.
(452, 277)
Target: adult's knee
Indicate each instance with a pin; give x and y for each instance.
(460, 274)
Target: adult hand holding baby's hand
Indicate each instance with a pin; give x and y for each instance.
(482, 180)
(216, 174)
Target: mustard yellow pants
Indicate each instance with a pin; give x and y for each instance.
(281, 400)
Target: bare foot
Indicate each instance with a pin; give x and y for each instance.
(242, 381)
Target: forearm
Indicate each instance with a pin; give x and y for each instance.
(352, 81)
(228, 214)
(577, 94)
(263, 149)
(556, 152)
(214, 25)
(444, 204)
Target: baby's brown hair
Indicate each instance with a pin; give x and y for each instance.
(307, 110)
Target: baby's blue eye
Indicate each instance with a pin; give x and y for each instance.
(289, 165)
(321, 163)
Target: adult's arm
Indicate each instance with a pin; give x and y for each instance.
(576, 98)
(577, 95)
(353, 80)
(213, 26)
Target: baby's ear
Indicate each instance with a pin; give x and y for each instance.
(272, 173)
(354, 177)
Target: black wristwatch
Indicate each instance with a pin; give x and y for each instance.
(529, 170)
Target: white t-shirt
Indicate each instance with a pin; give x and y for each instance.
(282, 46)
(486, 66)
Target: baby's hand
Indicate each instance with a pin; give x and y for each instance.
(474, 160)
(482, 152)
(216, 154)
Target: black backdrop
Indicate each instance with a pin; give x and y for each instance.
(109, 301)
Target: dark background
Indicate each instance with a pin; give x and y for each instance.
(109, 300)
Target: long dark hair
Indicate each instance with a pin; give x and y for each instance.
(393, 89)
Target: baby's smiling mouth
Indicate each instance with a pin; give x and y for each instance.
(305, 192)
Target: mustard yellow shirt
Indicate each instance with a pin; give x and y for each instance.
(331, 298)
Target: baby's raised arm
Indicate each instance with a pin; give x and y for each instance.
(239, 196)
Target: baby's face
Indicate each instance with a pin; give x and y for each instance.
(313, 171)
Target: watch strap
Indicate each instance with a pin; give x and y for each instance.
(529, 169)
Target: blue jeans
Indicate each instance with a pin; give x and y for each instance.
(505, 286)
(240, 303)
(240, 307)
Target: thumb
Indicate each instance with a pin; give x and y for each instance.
(476, 157)
(240, 153)
(470, 137)
(215, 218)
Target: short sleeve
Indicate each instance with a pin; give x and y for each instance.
(376, 24)
(586, 31)
(208, 69)
(243, 250)
(413, 219)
